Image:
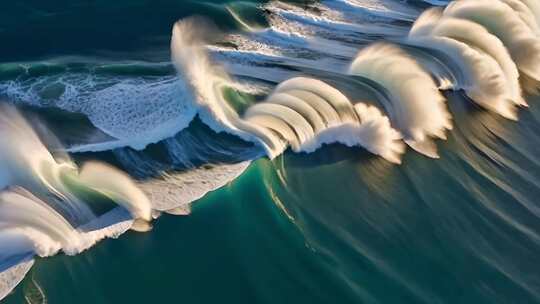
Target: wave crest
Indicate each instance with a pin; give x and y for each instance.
(414, 102)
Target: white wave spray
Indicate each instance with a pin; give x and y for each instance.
(43, 206)
(289, 116)
(26, 162)
(415, 104)
(488, 74)
(501, 20)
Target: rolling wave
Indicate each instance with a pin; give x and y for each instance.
(45, 206)
(492, 48)
(415, 103)
(283, 118)
(520, 40)
(490, 76)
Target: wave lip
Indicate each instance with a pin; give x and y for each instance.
(486, 71)
(505, 23)
(415, 104)
(11, 277)
(308, 113)
(28, 163)
(291, 115)
(46, 201)
(208, 81)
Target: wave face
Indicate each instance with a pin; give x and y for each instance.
(307, 108)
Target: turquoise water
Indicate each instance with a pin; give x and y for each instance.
(339, 225)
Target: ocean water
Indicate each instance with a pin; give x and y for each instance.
(255, 202)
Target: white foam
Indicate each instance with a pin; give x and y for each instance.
(534, 7)
(283, 119)
(140, 114)
(38, 230)
(524, 12)
(137, 111)
(174, 192)
(385, 8)
(375, 134)
(332, 96)
(10, 278)
(26, 215)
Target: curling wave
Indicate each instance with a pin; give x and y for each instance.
(26, 162)
(414, 101)
(488, 74)
(302, 112)
(504, 22)
(49, 205)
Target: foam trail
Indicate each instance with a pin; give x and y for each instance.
(384, 9)
(50, 213)
(133, 111)
(488, 74)
(374, 133)
(415, 104)
(43, 209)
(29, 226)
(10, 278)
(501, 20)
(326, 19)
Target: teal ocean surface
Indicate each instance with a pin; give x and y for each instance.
(333, 151)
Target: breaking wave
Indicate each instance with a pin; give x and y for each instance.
(491, 49)
(301, 112)
(414, 101)
(49, 205)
